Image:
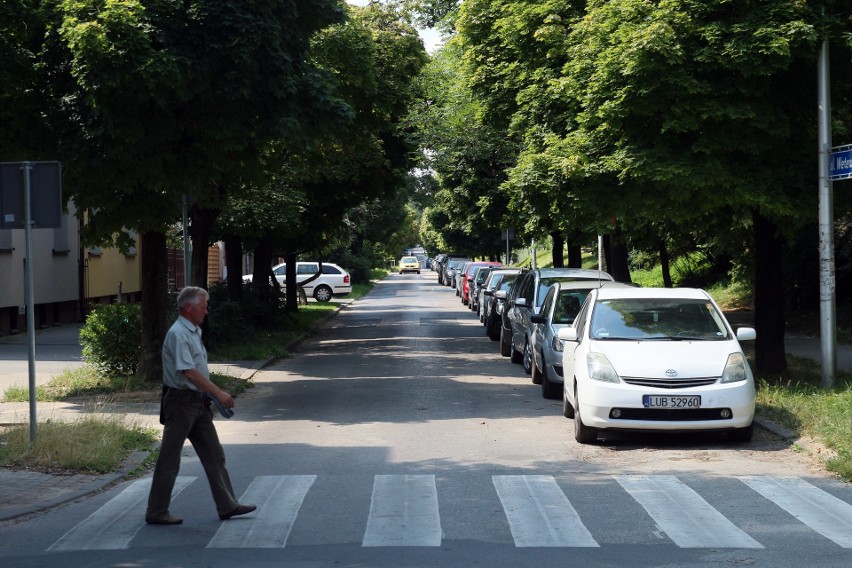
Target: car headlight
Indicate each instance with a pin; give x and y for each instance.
(600, 369)
(736, 369)
(557, 344)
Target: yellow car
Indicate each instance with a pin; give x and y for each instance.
(409, 264)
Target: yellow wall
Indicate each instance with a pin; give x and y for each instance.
(107, 271)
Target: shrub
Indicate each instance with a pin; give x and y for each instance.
(111, 336)
(225, 317)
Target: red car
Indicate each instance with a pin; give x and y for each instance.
(465, 285)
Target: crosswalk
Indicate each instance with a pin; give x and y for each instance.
(405, 511)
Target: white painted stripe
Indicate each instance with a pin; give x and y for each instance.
(403, 512)
(821, 511)
(539, 514)
(114, 525)
(278, 500)
(683, 515)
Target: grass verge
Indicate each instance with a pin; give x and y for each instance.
(96, 443)
(796, 401)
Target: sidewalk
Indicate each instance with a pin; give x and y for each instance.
(25, 493)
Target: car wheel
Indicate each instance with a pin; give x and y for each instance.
(741, 434)
(527, 361)
(505, 343)
(549, 389)
(582, 433)
(322, 293)
(534, 372)
(515, 355)
(567, 407)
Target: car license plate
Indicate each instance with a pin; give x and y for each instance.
(661, 401)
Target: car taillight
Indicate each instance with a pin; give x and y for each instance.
(346, 279)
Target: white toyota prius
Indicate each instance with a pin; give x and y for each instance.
(655, 359)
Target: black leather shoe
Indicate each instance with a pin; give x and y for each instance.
(164, 520)
(240, 510)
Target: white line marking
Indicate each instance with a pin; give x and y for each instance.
(539, 514)
(278, 500)
(821, 511)
(683, 515)
(114, 525)
(403, 512)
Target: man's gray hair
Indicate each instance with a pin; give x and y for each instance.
(191, 295)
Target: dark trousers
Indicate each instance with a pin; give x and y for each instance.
(187, 414)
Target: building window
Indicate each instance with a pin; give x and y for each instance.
(60, 237)
(6, 241)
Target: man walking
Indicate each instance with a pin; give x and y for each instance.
(186, 413)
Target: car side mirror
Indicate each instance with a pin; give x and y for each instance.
(746, 334)
(567, 333)
(500, 294)
(522, 302)
(538, 318)
(488, 292)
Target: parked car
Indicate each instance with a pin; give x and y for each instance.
(656, 359)
(458, 275)
(494, 295)
(479, 276)
(449, 270)
(525, 299)
(561, 305)
(438, 266)
(334, 280)
(465, 280)
(409, 264)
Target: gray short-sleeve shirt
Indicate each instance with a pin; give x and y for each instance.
(182, 350)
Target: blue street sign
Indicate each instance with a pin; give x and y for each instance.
(840, 163)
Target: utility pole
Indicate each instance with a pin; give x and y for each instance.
(827, 324)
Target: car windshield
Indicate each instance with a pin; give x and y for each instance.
(657, 319)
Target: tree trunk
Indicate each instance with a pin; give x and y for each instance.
(665, 262)
(575, 256)
(156, 313)
(770, 354)
(200, 229)
(292, 298)
(558, 246)
(262, 275)
(619, 267)
(234, 267)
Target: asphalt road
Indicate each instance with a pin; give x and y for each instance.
(398, 436)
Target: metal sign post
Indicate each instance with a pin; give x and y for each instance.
(17, 180)
(26, 168)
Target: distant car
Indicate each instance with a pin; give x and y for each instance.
(334, 280)
(409, 264)
(447, 276)
(656, 359)
(479, 276)
(465, 280)
(561, 305)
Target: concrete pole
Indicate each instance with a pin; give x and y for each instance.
(828, 326)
